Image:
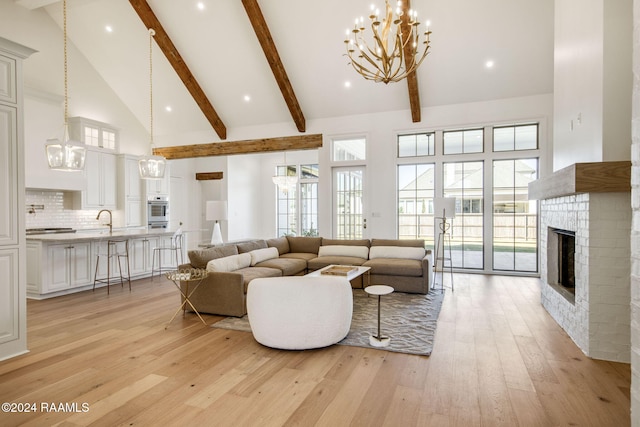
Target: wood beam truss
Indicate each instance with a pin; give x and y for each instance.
(150, 20)
(299, 142)
(273, 58)
(412, 79)
(208, 176)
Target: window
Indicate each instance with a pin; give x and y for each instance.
(349, 149)
(297, 205)
(421, 144)
(514, 216)
(93, 133)
(415, 202)
(510, 138)
(463, 141)
(464, 181)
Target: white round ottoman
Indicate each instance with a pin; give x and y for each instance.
(297, 312)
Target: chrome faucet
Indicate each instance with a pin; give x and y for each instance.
(110, 224)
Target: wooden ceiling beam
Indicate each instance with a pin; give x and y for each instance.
(207, 176)
(412, 79)
(273, 58)
(150, 20)
(298, 142)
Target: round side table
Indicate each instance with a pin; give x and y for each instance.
(379, 290)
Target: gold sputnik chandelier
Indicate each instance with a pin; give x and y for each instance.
(396, 49)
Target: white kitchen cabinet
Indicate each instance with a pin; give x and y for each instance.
(8, 184)
(69, 266)
(9, 295)
(141, 252)
(93, 133)
(101, 177)
(58, 267)
(130, 192)
(159, 187)
(13, 301)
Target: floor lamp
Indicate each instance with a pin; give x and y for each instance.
(216, 210)
(443, 244)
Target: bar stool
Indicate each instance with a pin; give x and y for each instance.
(116, 250)
(175, 246)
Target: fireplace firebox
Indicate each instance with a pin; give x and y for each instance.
(561, 251)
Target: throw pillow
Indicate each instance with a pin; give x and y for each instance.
(260, 255)
(396, 252)
(344, 250)
(230, 263)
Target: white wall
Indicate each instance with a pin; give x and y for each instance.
(592, 81)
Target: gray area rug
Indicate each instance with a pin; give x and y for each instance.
(409, 319)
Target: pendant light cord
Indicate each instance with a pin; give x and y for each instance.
(66, 78)
(151, 34)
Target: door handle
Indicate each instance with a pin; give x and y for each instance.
(365, 223)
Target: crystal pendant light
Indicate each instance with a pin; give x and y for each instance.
(69, 155)
(285, 182)
(151, 167)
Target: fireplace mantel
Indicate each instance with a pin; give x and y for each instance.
(597, 177)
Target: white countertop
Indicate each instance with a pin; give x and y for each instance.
(89, 235)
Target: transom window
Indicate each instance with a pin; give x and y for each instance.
(511, 138)
(349, 149)
(420, 144)
(463, 141)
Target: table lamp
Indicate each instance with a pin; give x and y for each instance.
(216, 210)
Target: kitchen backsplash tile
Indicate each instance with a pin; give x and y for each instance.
(56, 212)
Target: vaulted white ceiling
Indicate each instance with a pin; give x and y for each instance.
(221, 49)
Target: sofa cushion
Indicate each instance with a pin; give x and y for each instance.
(280, 243)
(245, 247)
(396, 252)
(230, 263)
(199, 258)
(250, 273)
(415, 243)
(348, 242)
(395, 267)
(344, 250)
(288, 266)
(304, 244)
(259, 255)
(320, 262)
(299, 255)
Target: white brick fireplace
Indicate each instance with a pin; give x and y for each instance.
(597, 316)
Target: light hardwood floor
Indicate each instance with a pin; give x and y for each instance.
(498, 360)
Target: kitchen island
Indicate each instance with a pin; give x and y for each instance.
(63, 263)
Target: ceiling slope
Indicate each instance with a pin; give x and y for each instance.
(271, 53)
(150, 20)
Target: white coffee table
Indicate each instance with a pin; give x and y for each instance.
(357, 271)
(379, 290)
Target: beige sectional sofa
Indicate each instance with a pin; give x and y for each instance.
(402, 264)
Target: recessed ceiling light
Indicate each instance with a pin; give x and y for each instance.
(108, 29)
(200, 5)
(347, 84)
(168, 108)
(489, 64)
(247, 98)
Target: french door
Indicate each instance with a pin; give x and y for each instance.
(349, 220)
